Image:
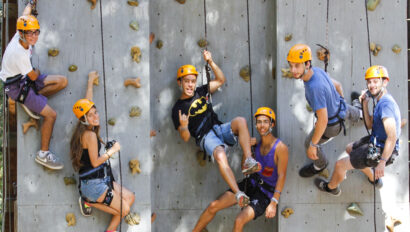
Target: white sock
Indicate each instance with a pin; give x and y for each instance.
(361, 114)
(42, 154)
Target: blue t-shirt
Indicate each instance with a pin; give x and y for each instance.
(321, 93)
(386, 107)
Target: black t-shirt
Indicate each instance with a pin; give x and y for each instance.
(198, 111)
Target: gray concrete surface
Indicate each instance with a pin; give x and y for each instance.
(172, 183)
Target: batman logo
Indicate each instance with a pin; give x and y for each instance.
(198, 107)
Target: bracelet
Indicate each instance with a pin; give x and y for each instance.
(274, 199)
(313, 145)
(277, 191)
(385, 160)
(184, 128)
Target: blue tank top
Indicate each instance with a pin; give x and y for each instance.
(269, 171)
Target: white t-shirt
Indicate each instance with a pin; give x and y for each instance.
(16, 59)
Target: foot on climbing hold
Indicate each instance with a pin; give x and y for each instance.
(85, 209)
(322, 185)
(135, 166)
(31, 123)
(133, 81)
(70, 218)
(49, 160)
(251, 166)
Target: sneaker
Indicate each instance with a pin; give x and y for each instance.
(30, 113)
(85, 209)
(49, 161)
(321, 184)
(309, 171)
(251, 166)
(242, 199)
(378, 183)
(355, 100)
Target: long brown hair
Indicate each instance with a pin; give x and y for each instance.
(76, 147)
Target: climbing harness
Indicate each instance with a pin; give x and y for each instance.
(25, 89)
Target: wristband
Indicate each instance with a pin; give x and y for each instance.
(385, 160)
(184, 128)
(313, 145)
(277, 191)
(274, 199)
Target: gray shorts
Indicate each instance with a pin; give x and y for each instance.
(35, 102)
(358, 156)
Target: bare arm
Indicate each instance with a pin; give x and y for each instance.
(366, 115)
(321, 125)
(219, 75)
(33, 75)
(27, 10)
(390, 128)
(90, 142)
(338, 87)
(91, 77)
(183, 126)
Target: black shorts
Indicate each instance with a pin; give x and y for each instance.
(259, 200)
(358, 156)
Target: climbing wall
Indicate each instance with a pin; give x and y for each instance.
(239, 35)
(345, 33)
(92, 39)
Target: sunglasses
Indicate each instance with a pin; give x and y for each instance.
(31, 33)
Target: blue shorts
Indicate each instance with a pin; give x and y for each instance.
(92, 189)
(220, 135)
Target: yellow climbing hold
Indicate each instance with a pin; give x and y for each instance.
(287, 212)
(69, 180)
(133, 2)
(132, 219)
(245, 73)
(53, 52)
(134, 166)
(70, 218)
(72, 68)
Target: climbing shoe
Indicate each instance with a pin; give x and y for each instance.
(378, 183)
(30, 113)
(242, 199)
(251, 166)
(85, 209)
(49, 161)
(321, 184)
(309, 171)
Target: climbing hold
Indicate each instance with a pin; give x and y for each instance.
(200, 158)
(132, 2)
(396, 49)
(372, 46)
(70, 218)
(152, 133)
(132, 219)
(53, 52)
(354, 209)
(392, 223)
(93, 3)
(203, 43)
(69, 180)
(324, 173)
(288, 37)
(287, 212)
(181, 1)
(30, 123)
(286, 73)
(134, 166)
(372, 4)
(134, 25)
(160, 44)
(309, 108)
(135, 111)
(403, 122)
(111, 121)
(153, 217)
(136, 54)
(375, 48)
(245, 73)
(72, 68)
(96, 81)
(134, 82)
(321, 54)
(151, 37)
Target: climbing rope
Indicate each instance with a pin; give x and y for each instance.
(105, 108)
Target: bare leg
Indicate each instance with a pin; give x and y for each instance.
(245, 216)
(225, 169)
(240, 128)
(341, 167)
(226, 200)
(53, 84)
(47, 128)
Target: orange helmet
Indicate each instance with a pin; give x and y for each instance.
(267, 112)
(376, 71)
(299, 53)
(186, 70)
(27, 22)
(81, 107)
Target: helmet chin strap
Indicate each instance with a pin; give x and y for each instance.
(268, 132)
(86, 123)
(22, 38)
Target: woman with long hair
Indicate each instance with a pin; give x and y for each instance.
(97, 186)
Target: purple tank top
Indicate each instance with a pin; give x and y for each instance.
(269, 171)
